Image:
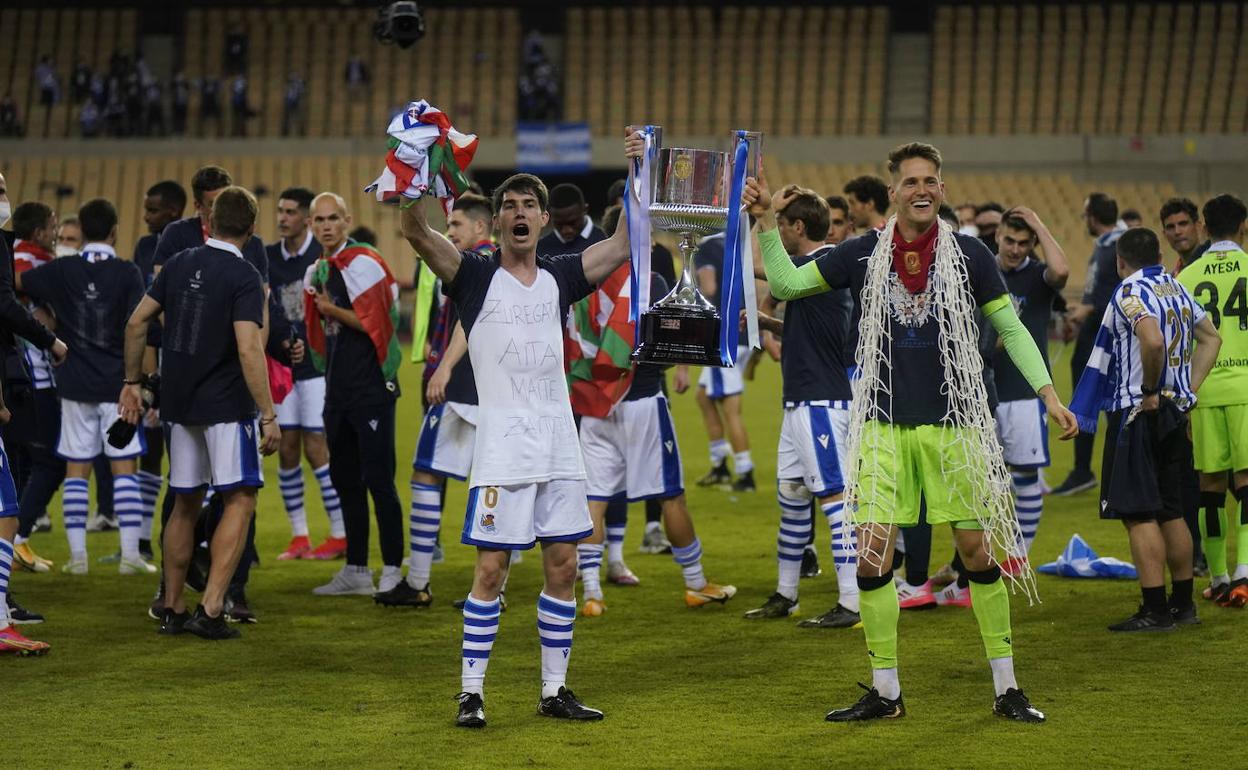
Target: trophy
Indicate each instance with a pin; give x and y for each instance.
(691, 197)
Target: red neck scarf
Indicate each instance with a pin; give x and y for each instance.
(913, 259)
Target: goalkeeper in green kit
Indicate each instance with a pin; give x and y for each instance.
(920, 423)
(1219, 282)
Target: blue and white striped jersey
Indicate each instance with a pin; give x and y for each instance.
(1152, 293)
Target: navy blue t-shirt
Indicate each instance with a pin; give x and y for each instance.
(812, 358)
(1033, 300)
(549, 244)
(286, 283)
(145, 256)
(1102, 275)
(92, 302)
(189, 233)
(710, 256)
(461, 388)
(910, 391)
(203, 291)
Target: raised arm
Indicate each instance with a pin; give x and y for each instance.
(1056, 268)
(601, 259)
(786, 280)
(431, 246)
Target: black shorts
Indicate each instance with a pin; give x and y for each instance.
(1146, 466)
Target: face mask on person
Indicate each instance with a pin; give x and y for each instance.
(65, 251)
(6, 211)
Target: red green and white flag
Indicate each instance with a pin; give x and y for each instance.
(425, 152)
(597, 345)
(374, 296)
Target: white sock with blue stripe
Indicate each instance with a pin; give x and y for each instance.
(6, 569)
(844, 553)
(1029, 503)
(615, 541)
(290, 480)
(128, 503)
(76, 502)
(793, 536)
(554, 627)
(690, 560)
(480, 628)
(149, 489)
(423, 522)
(329, 496)
(589, 559)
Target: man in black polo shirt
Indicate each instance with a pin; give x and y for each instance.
(1100, 214)
(572, 231)
(164, 204)
(300, 414)
(359, 415)
(214, 378)
(1180, 222)
(816, 415)
(92, 295)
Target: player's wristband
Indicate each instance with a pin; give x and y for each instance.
(132, 382)
(264, 421)
(1149, 391)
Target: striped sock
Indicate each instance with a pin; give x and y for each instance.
(844, 553)
(1029, 503)
(794, 533)
(149, 489)
(329, 496)
(423, 522)
(76, 503)
(589, 559)
(290, 480)
(554, 628)
(480, 628)
(690, 560)
(6, 568)
(128, 503)
(615, 541)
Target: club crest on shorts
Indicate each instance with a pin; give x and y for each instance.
(487, 522)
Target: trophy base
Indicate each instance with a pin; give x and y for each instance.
(671, 334)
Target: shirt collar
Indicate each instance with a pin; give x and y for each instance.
(224, 246)
(1022, 265)
(338, 250)
(98, 252)
(1227, 245)
(1148, 272)
(307, 241)
(585, 231)
(1104, 239)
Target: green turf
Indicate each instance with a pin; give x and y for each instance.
(339, 682)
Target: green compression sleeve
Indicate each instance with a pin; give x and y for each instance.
(880, 612)
(1018, 343)
(786, 280)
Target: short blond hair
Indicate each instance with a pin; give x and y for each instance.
(913, 150)
(335, 197)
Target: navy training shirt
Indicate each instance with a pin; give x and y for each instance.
(812, 357)
(203, 292)
(549, 245)
(1033, 299)
(92, 302)
(910, 392)
(189, 233)
(286, 274)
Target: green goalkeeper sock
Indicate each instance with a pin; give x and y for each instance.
(1213, 520)
(879, 610)
(991, 603)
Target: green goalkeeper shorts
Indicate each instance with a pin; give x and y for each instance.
(900, 464)
(1220, 438)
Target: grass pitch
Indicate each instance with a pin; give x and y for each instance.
(339, 682)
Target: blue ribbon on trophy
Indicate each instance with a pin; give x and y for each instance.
(692, 193)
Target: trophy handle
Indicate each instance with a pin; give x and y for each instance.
(754, 162)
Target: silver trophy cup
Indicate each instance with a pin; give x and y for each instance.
(691, 189)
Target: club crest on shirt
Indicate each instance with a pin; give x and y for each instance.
(912, 262)
(487, 522)
(912, 310)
